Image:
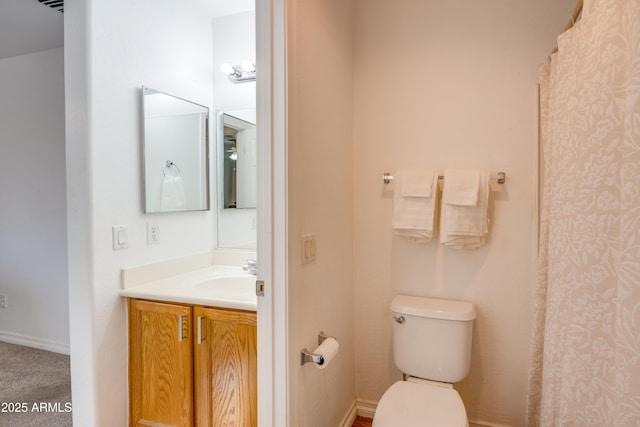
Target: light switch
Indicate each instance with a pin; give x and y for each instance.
(120, 237)
(308, 247)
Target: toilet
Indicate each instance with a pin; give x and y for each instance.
(432, 347)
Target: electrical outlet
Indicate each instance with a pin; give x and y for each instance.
(3, 301)
(153, 234)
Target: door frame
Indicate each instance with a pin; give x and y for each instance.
(271, 102)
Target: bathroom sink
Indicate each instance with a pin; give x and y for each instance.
(233, 284)
(212, 287)
(240, 287)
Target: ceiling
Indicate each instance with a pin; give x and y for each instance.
(27, 26)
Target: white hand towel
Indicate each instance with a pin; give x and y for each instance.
(172, 197)
(461, 187)
(417, 183)
(413, 217)
(466, 227)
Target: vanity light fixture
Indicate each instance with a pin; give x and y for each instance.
(248, 66)
(245, 72)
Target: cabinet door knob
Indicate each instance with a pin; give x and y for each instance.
(180, 333)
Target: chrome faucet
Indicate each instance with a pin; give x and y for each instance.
(251, 267)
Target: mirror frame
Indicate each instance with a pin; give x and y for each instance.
(206, 202)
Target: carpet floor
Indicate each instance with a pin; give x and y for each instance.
(35, 387)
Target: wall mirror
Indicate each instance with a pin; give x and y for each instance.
(237, 179)
(176, 158)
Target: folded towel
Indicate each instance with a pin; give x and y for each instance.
(413, 217)
(465, 227)
(417, 183)
(462, 186)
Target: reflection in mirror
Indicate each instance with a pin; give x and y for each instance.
(239, 166)
(176, 167)
(237, 179)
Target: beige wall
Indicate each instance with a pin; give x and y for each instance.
(320, 200)
(441, 84)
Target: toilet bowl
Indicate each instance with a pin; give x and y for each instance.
(413, 404)
(432, 347)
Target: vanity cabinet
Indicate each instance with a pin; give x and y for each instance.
(226, 368)
(191, 365)
(160, 364)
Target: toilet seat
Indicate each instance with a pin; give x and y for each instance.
(412, 404)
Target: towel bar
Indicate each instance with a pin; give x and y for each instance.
(500, 177)
(168, 165)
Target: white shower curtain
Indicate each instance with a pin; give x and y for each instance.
(586, 340)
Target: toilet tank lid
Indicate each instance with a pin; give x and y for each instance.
(433, 308)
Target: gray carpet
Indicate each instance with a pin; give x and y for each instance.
(37, 383)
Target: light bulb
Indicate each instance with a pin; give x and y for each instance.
(248, 66)
(227, 68)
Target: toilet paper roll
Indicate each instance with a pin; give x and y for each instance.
(328, 349)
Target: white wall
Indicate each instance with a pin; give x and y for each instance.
(234, 40)
(112, 49)
(33, 246)
(320, 200)
(440, 84)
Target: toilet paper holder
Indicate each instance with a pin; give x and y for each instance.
(306, 356)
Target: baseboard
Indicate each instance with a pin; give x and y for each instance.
(359, 407)
(350, 417)
(477, 423)
(40, 343)
(366, 408)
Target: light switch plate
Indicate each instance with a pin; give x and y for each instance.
(308, 247)
(120, 237)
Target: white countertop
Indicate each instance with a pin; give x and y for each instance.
(215, 286)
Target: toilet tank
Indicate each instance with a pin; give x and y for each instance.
(432, 337)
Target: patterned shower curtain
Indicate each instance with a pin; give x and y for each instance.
(585, 367)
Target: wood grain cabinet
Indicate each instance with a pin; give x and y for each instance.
(225, 368)
(191, 366)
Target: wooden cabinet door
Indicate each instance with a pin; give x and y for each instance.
(160, 364)
(225, 368)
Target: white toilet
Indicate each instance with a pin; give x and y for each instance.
(432, 347)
